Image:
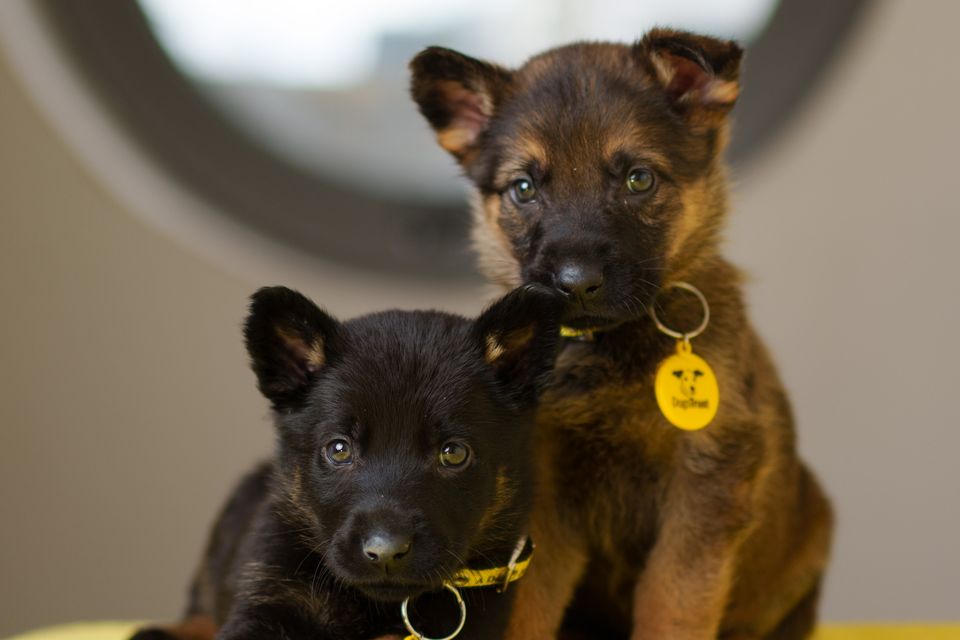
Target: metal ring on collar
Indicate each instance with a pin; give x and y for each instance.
(686, 337)
(456, 632)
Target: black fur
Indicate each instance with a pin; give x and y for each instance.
(288, 559)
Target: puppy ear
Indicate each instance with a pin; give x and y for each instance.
(700, 75)
(289, 340)
(519, 337)
(457, 95)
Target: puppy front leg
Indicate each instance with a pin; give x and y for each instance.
(684, 588)
(545, 591)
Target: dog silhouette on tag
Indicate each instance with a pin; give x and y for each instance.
(688, 381)
(686, 390)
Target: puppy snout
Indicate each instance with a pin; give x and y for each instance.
(388, 551)
(581, 280)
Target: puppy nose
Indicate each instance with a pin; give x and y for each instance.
(386, 551)
(578, 279)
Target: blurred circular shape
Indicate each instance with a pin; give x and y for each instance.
(326, 88)
(293, 117)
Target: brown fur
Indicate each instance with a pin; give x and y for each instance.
(643, 530)
(503, 498)
(193, 628)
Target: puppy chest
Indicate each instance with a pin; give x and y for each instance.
(608, 474)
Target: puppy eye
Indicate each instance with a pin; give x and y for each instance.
(339, 452)
(640, 180)
(454, 455)
(523, 191)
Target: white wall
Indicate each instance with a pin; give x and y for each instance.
(126, 409)
(849, 228)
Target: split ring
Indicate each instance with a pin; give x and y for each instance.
(419, 636)
(686, 337)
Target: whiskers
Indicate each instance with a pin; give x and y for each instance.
(321, 578)
(461, 562)
(634, 302)
(633, 305)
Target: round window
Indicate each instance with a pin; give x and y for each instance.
(294, 118)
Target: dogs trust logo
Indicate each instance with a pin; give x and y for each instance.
(686, 390)
(688, 379)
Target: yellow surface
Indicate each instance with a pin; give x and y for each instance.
(122, 631)
(83, 631)
(889, 632)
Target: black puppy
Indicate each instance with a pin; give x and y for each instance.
(403, 458)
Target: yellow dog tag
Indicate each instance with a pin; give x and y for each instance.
(686, 389)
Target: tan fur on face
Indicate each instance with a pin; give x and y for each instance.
(630, 138)
(696, 201)
(696, 231)
(523, 152)
(296, 486)
(492, 245)
(295, 499)
(503, 497)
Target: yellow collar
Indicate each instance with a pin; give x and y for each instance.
(468, 578)
(513, 571)
(584, 335)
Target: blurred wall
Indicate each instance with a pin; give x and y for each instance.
(127, 410)
(849, 227)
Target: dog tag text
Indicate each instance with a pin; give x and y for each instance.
(686, 389)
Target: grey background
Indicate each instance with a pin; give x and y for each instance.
(127, 410)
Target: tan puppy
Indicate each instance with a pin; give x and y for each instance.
(598, 170)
